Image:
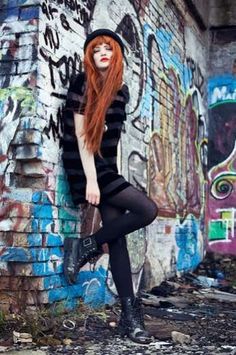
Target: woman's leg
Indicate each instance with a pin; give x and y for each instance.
(141, 211)
(119, 256)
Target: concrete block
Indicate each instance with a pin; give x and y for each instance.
(28, 152)
(27, 136)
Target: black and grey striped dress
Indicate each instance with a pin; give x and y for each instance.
(109, 181)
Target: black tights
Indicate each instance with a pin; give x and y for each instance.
(141, 211)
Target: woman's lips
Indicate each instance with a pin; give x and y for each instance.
(104, 59)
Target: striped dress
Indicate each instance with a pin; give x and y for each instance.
(109, 181)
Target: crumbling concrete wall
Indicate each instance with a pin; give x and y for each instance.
(222, 13)
(203, 8)
(162, 151)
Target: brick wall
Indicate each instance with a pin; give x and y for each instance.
(162, 151)
(20, 144)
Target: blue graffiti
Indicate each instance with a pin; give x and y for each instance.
(11, 11)
(34, 240)
(91, 286)
(42, 212)
(169, 60)
(47, 268)
(221, 89)
(187, 240)
(15, 254)
(30, 254)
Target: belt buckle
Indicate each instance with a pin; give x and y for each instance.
(87, 242)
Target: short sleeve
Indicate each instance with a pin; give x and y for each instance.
(126, 96)
(75, 100)
(125, 92)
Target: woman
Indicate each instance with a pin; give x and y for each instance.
(95, 112)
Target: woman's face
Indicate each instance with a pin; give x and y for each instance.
(102, 54)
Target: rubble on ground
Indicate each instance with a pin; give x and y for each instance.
(191, 314)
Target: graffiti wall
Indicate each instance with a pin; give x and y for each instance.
(221, 211)
(162, 151)
(18, 52)
(221, 196)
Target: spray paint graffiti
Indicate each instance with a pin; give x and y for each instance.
(221, 212)
(60, 70)
(187, 239)
(195, 74)
(18, 53)
(140, 6)
(14, 103)
(166, 89)
(177, 154)
(171, 158)
(20, 141)
(137, 170)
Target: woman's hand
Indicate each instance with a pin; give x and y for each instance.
(92, 192)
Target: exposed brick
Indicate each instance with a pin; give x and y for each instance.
(161, 150)
(35, 269)
(27, 137)
(28, 13)
(12, 283)
(30, 169)
(20, 210)
(35, 182)
(28, 152)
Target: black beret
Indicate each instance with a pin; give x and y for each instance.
(104, 32)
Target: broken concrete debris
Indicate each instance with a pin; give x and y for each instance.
(180, 338)
(186, 318)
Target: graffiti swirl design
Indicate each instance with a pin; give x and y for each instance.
(223, 185)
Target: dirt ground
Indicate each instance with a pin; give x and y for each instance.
(207, 315)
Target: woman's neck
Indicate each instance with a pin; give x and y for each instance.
(103, 73)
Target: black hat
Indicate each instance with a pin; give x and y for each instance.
(104, 32)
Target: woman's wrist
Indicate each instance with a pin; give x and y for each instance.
(91, 179)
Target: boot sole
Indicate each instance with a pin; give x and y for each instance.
(125, 334)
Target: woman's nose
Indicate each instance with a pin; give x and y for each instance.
(103, 51)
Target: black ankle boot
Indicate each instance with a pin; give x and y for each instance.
(88, 249)
(77, 252)
(131, 321)
(71, 246)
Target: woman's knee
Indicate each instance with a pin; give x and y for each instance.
(118, 244)
(151, 211)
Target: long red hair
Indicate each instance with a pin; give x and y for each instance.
(100, 91)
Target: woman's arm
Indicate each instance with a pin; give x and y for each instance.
(87, 158)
